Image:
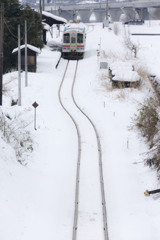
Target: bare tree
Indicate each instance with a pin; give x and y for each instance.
(133, 47)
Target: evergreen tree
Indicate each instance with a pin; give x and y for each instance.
(14, 14)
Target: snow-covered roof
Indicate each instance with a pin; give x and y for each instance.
(123, 71)
(35, 49)
(127, 76)
(75, 26)
(120, 65)
(54, 17)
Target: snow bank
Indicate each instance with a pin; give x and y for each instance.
(37, 201)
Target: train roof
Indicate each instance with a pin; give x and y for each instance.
(80, 27)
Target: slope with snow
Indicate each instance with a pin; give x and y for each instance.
(37, 200)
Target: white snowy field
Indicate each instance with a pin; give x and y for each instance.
(37, 198)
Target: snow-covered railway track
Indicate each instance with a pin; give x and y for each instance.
(90, 28)
(90, 216)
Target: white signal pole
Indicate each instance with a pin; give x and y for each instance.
(26, 56)
(19, 67)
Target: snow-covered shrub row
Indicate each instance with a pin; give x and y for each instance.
(148, 122)
(15, 133)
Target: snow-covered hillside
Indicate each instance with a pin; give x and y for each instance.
(37, 196)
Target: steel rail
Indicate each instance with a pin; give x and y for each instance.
(78, 160)
(106, 237)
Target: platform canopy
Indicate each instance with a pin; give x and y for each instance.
(51, 19)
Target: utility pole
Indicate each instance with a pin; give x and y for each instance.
(106, 21)
(107, 9)
(26, 56)
(40, 7)
(19, 66)
(55, 7)
(40, 10)
(1, 50)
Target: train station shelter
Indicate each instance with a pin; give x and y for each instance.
(51, 19)
(32, 53)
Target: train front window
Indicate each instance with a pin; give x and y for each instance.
(66, 38)
(73, 39)
(80, 38)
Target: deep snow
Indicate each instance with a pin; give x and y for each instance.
(37, 199)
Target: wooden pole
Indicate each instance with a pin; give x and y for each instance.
(40, 7)
(107, 10)
(147, 193)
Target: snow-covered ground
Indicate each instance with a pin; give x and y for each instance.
(37, 198)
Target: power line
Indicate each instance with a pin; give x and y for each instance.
(9, 30)
(31, 24)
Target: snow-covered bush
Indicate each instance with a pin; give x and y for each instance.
(148, 122)
(142, 71)
(148, 118)
(15, 133)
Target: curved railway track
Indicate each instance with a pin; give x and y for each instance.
(90, 28)
(99, 152)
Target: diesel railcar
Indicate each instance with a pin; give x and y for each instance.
(73, 42)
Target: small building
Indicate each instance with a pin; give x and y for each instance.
(48, 19)
(122, 75)
(32, 53)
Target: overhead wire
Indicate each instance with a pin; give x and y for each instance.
(31, 24)
(16, 18)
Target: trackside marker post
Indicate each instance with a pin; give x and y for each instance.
(147, 193)
(35, 105)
